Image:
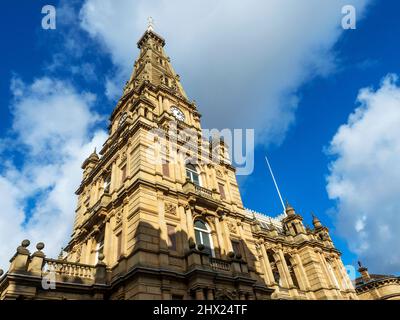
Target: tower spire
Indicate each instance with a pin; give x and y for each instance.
(153, 64)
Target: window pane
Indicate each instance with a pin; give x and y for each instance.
(107, 183)
(195, 178)
(197, 235)
(191, 167)
(236, 247)
(200, 224)
(206, 242)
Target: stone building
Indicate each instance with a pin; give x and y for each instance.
(377, 286)
(160, 215)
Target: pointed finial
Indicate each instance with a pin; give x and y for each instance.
(150, 24)
(315, 221)
(289, 210)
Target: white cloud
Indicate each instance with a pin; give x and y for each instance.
(241, 60)
(364, 178)
(51, 127)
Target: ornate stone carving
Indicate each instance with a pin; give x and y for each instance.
(123, 157)
(225, 294)
(231, 226)
(170, 209)
(118, 217)
(219, 174)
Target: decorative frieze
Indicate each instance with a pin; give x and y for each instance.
(170, 209)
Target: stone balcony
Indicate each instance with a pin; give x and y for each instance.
(64, 270)
(197, 259)
(201, 194)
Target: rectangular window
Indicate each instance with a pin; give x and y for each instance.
(165, 168)
(123, 174)
(222, 190)
(119, 245)
(107, 183)
(171, 237)
(236, 247)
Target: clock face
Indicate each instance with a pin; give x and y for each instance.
(178, 114)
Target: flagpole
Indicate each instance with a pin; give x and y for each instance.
(276, 185)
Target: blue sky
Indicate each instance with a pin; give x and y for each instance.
(301, 88)
(366, 55)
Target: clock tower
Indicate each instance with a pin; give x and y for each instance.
(154, 197)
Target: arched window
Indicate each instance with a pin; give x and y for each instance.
(274, 267)
(203, 236)
(191, 174)
(291, 271)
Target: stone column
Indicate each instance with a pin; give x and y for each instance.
(303, 276)
(219, 236)
(199, 294)
(228, 188)
(19, 261)
(284, 271)
(325, 270)
(89, 245)
(214, 180)
(344, 278)
(210, 294)
(114, 174)
(268, 274)
(83, 253)
(245, 256)
(160, 102)
(37, 260)
(162, 223)
(226, 235)
(108, 242)
(189, 221)
(101, 270)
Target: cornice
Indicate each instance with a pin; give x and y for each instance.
(377, 283)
